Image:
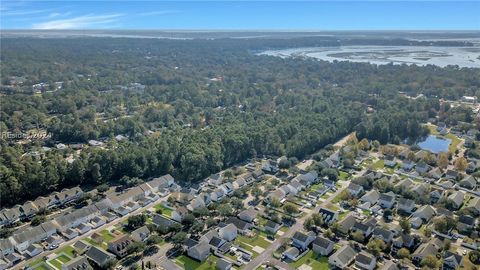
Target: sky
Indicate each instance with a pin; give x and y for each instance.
(241, 15)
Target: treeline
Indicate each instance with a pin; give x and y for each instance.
(258, 105)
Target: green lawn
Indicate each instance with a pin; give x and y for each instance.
(343, 175)
(190, 264)
(102, 245)
(42, 266)
(258, 240)
(455, 141)
(107, 236)
(343, 215)
(165, 210)
(69, 250)
(59, 261)
(37, 261)
(380, 164)
(341, 196)
(313, 260)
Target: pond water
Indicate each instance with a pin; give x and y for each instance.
(435, 144)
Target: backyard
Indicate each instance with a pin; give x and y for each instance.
(313, 260)
(190, 264)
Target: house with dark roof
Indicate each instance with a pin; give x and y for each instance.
(363, 227)
(430, 248)
(6, 247)
(229, 232)
(405, 205)
(79, 263)
(322, 246)
(465, 223)
(179, 213)
(248, 215)
(291, 254)
(452, 261)
(98, 256)
(365, 261)
(272, 227)
(354, 189)
(81, 247)
(469, 182)
(456, 199)
(329, 216)
(383, 234)
(452, 175)
(200, 251)
(403, 241)
(302, 240)
(371, 197)
(386, 200)
(346, 224)
(474, 205)
(242, 226)
(141, 234)
(223, 264)
(342, 257)
(119, 245)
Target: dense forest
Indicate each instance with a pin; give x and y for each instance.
(210, 104)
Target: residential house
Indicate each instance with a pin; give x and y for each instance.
(248, 215)
(302, 240)
(407, 165)
(141, 234)
(81, 247)
(291, 253)
(465, 223)
(54, 241)
(342, 257)
(6, 247)
(70, 233)
(161, 221)
(33, 250)
(435, 173)
(346, 224)
(223, 264)
(389, 265)
(469, 182)
(425, 249)
(272, 227)
(371, 197)
(217, 194)
(200, 251)
(322, 246)
(474, 205)
(179, 213)
(456, 199)
(386, 200)
(163, 182)
(119, 245)
(365, 261)
(405, 205)
(78, 263)
(354, 189)
(242, 226)
(421, 189)
(28, 210)
(436, 194)
(422, 168)
(228, 233)
(389, 161)
(365, 228)
(97, 222)
(270, 167)
(83, 228)
(452, 261)
(329, 216)
(383, 234)
(452, 175)
(424, 213)
(403, 241)
(196, 203)
(98, 256)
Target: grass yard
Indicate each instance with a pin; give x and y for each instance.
(454, 144)
(313, 260)
(258, 240)
(190, 264)
(341, 196)
(42, 266)
(332, 207)
(102, 245)
(69, 250)
(37, 261)
(380, 164)
(165, 210)
(343, 175)
(59, 261)
(107, 236)
(343, 215)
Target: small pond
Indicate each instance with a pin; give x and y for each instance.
(435, 144)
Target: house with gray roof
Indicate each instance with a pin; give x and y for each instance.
(223, 264)
(469, 182)
(456, 198)
(405, 205)
(200, 251)
(302, 240)
(99, 256)
(6, 247)
(383, 234)
(342, 257)
(322, 246)
(386, 200)
(79, 263)
(365, 261)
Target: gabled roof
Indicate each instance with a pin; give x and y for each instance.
(345, 254)
(387, 197)
(364, 258)
(99, 256)
(406, 202)
(457, 197)
(240, 224)
(302, 237)
(468, 220)
(385, 234)
(322, 242)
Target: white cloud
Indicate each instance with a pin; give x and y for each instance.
(23, 12)
(158, 12)
(80, 22)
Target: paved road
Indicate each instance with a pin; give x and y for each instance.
(70, 242)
